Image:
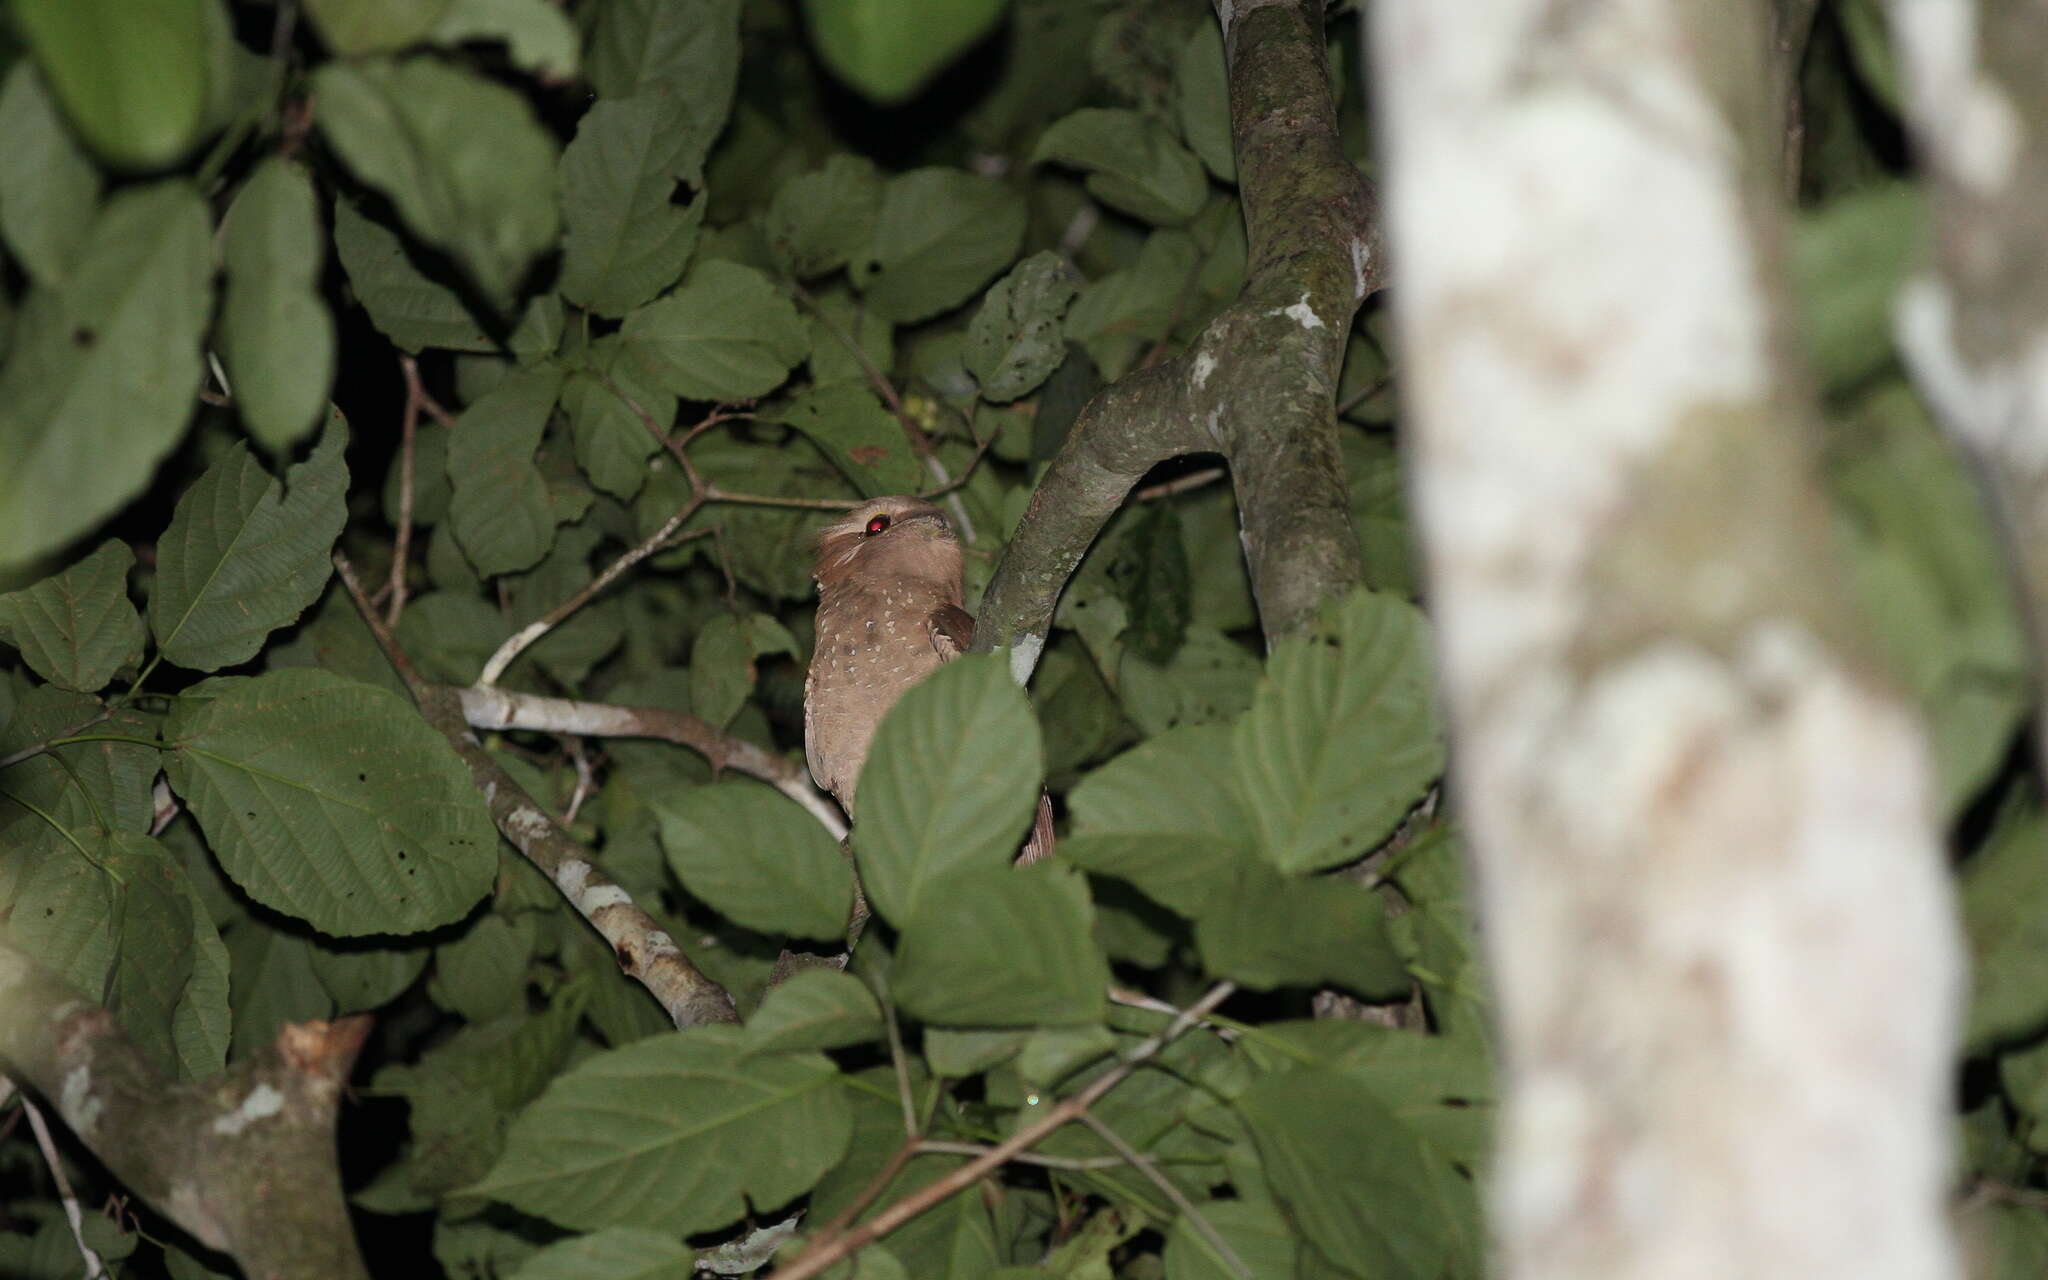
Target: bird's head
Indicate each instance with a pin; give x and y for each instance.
(895, 537)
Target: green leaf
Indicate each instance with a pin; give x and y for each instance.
(202, 1024)
(101, 378)
(819, 1008)
(820, 219)
(1359, 1184)
(331, 801)
(839, 327)
(615, 1253)
(361, 977)
(726, 334)
(1002, 948)
(499, 507)
(89, 786)
(722, 662)
(2005, 917)
(1165, 816)
(1255, 1230)
(408, 308)
(242, 557)
(1128, 310)
(950, 784)
(1133, 164)
(275, 333)
(678, 1131)
(1342, 738)
(860, 436)
(352, 27)
(1849, 258)
(76, 628)
(1150, 575)
(155, 952)
(889, 49)
(48, 188)
(64, 914)
(469, 168)
(482, 974)
(612, 443)
(1201, 83)
(691, 47)
(1015, 340)
(757, 857)
(940, 236)
(132, 74)
(627, 239)
(274, 983)
(539, 36)
(1439, 1086)
(1210, 679)
(1265, 930)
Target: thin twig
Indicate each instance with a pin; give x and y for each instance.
(408, 427)
(518, 641)
(831, 1246)
(1077, 1163)
(644, 950)
(93, 1265)
(1364, 393)
(699, 488)
(912, 428)
(586, 778)
(911, 1129)
(1144, 1164)
(1180, 484)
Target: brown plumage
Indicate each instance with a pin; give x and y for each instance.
(888, 615)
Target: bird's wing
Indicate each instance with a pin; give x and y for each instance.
(952, 631)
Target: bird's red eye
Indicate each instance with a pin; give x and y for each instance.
(878, 524)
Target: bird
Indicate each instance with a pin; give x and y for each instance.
(889, 614)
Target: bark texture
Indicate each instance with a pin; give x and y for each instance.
(244, 1161)
(1975, 325)
(1257, 385)
(1726, 962)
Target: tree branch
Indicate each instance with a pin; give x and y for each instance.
(1719, 921)
(1258, 384)
(643, 949)
(244, 1161)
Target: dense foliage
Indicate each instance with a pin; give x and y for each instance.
(714, 266)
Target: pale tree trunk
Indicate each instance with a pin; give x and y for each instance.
(1975, 326)
(1722, 943)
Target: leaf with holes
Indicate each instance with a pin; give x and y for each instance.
(244, 556)
(100, 381)
(1015, 340)
(940, 235)
(627, 237)
(331, 801)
